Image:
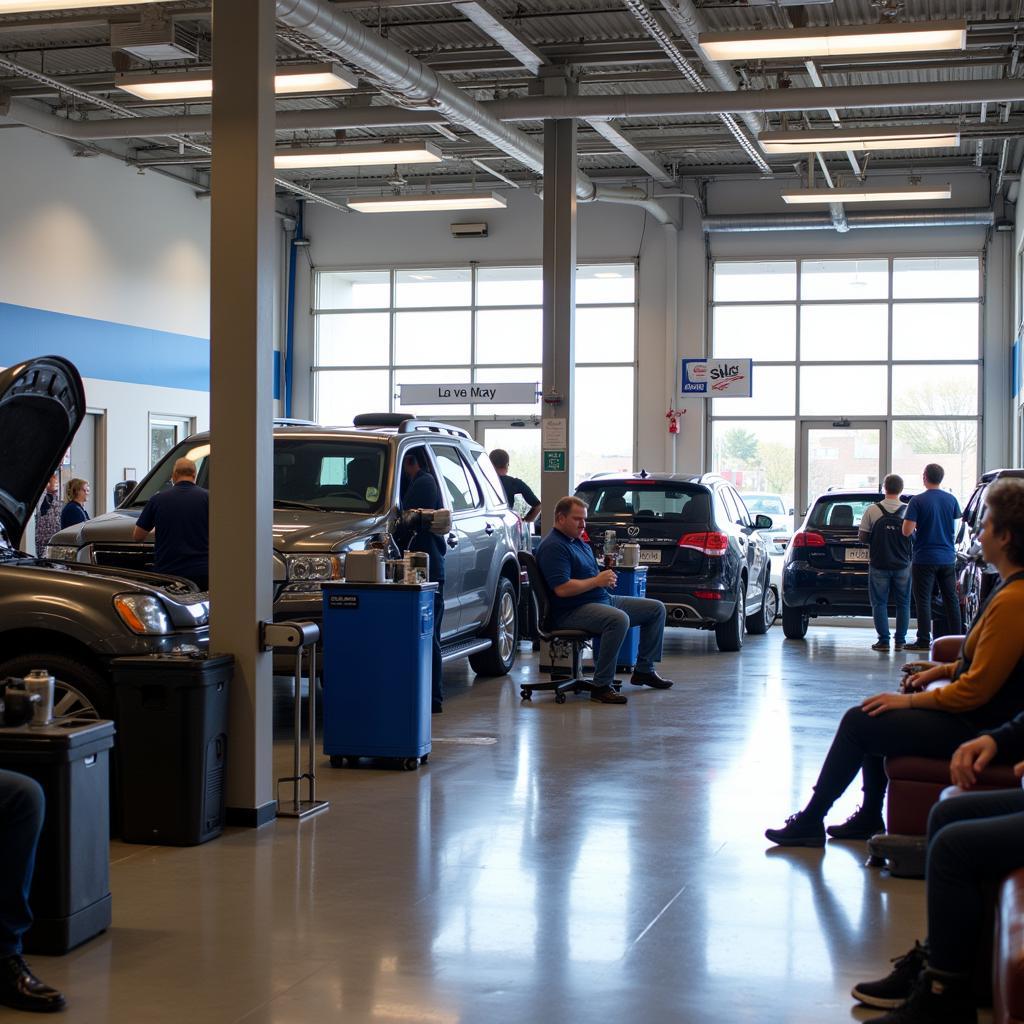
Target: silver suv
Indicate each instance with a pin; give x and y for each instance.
(335, 490)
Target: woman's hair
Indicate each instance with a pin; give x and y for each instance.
(1005, 501)
(75, 484)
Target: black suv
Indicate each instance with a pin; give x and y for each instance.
(706, 558)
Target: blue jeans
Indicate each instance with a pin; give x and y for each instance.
(926, 579)
(611, 622)
(21, 821)
(894, 583)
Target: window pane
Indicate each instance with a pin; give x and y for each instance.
(755, 332)
(352, 339)
(462, 493)
(953, 444)
(432, 376)
(935, 390)
(508, 336)
(843, 390)
(758, 456)
(953, 277)
(342, 394)
(604, 429)
(431, 339)
(755, 282)
(509, 286)
(605, 335)
(433, 288)
(774, 394)
(844, 279)
(609, 283)
(935, 330)
(509, 375)
(844, 332)
(353, 289)
(842, 458)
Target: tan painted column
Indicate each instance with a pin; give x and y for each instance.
(241, 388)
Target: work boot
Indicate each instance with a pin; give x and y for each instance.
(894, 989)
(22, 990)
(861, 824)
(607, 695)
(800, 830)
(937, 998)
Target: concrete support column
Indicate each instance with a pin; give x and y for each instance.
(559, 318)
(241, 388)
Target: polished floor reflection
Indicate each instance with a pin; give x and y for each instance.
(550, 864)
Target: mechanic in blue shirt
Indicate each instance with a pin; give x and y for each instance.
(580, 600)
(181, 518)
(931, 518)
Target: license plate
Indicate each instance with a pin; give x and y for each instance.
(650, 557)
(858, 555)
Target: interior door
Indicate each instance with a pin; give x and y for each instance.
(845, 454)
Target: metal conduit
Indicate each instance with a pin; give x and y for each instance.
(730, 224)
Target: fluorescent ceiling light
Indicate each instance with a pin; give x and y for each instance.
(432, 201)
(35, 6)
(197, 85)
(839, 140)
(877, 194)
(845, 40)
(357, 156)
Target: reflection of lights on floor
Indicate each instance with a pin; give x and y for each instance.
(393, 1011)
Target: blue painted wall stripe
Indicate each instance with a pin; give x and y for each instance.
(277, 374)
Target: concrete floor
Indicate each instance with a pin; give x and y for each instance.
(550, 864)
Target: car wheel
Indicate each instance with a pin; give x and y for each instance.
(729, 635)
(503, 631)
(794, 622)
(762, 622)
(78, 691)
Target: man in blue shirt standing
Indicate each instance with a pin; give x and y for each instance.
(581, 601)
(931, 518)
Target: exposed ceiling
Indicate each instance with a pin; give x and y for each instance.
(491, 49)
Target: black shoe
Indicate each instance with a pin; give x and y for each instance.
(894, 989)
(859, 825)
(650, 679)
(607, 695)
(918, 646)
(436, 707)
(880, 645)
(899, 645)
(800, 830)
(22, 990)
(935, 999)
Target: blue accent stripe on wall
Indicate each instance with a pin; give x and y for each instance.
(277, 374)
(106, 350)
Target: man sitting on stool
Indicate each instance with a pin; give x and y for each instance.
(581, 601)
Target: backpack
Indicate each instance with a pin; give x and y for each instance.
(889, 548)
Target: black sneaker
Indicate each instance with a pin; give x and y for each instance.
(935, 999)
(918, 646)
(22, 990)
(800, 830)
(880, 645)
(859, 825)
(899, 645)
(894, 989)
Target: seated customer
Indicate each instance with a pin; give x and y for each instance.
(974, 841)
(581, 601)
(986, 688)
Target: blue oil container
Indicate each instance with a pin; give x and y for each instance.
(631, 583)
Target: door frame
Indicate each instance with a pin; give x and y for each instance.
(802, 498)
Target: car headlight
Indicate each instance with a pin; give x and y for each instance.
(60, 553)
(143, 614)
(312, 568)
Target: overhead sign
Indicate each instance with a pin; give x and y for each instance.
(461, 394)
(717, 378)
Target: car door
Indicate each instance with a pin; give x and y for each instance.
(752, 545)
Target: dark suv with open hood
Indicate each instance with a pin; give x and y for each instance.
(72, 619)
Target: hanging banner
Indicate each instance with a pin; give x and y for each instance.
(460, 394)
(717, 378)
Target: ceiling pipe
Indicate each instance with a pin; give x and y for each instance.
(731, 224)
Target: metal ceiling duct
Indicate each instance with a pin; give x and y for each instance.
(732, 224)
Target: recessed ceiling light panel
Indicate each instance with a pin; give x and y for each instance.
(197, 85)
(428, 202)
(838, 140)
(874, 194)
(298, 158)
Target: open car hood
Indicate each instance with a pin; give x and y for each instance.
(42, 404)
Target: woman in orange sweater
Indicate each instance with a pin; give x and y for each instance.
(985, 688)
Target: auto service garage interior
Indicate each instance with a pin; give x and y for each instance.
(578, 195)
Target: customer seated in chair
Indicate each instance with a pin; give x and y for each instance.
(581, 600)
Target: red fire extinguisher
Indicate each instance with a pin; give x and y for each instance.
(673, 419)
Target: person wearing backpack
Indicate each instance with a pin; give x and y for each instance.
(881, 528)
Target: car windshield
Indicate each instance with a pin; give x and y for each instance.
(843, 512)
(679, 502)
(766, 503)
(331, 474)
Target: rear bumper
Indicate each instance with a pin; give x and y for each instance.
(826, 592)
(684, 608)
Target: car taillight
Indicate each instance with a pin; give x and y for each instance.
(708, 595)
(710, 543)
(808, 540)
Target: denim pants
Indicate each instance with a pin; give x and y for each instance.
(611, 622)
(21, 821)
(884, 584)
(926, 578)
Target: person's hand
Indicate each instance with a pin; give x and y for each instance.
(882, 702)
(919, 680)
(607, 578)
(970, 758)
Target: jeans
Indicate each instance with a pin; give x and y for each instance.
(611, 622)
(21, 821)
(925, 579)
(894, 583)
(436, 668)
(974, 841)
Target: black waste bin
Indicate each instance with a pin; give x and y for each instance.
(70, 896)
(172, 723)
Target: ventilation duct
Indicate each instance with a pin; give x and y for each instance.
(733, 224)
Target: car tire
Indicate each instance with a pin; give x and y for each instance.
(78, 690)
(502, 630)
(794, 622)
(729, 634)
(762, 622)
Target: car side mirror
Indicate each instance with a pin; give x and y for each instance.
(121, 491)
(763, 522)
(792, 512)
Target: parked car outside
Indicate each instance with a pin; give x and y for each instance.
(72, 619)
(705, 556)
(335, 489)
(778, 537)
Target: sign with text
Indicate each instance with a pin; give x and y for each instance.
(461, 394)
(717, 378)
(554, 462)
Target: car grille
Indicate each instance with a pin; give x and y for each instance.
(124, 558)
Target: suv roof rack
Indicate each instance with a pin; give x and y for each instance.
(415, 426)
(291, 421)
